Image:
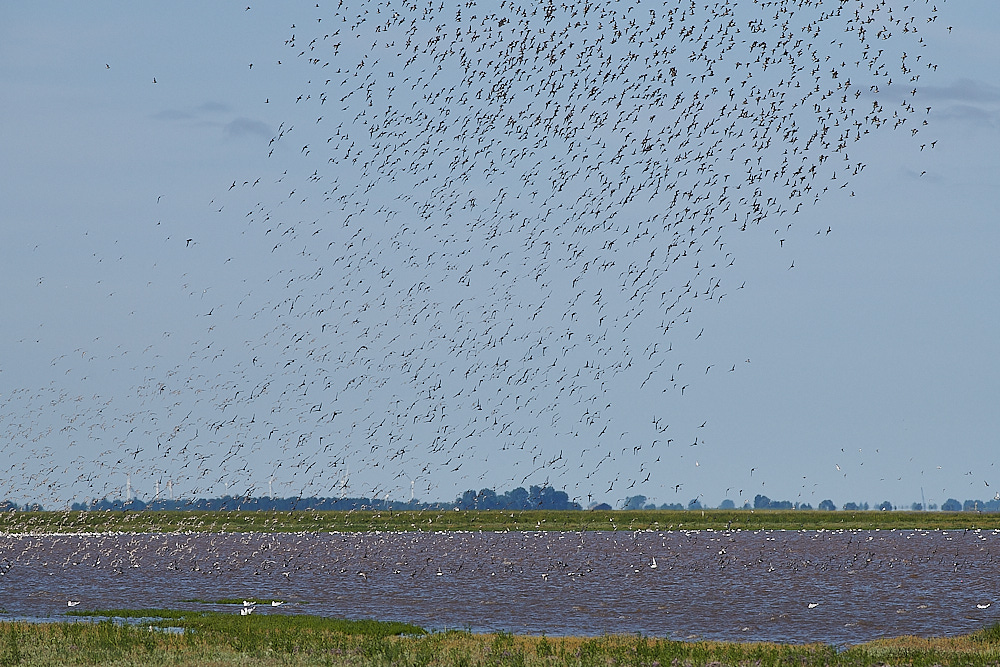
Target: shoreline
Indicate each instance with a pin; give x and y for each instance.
(306, 521)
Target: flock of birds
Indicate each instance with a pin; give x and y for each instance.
(250, 605)
(482, 248)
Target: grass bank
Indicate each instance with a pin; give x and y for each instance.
(312, 521)
(224, 639)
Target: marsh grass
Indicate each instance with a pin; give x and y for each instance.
(204, 639)
(234, 625)
(228, 639)
(978, 648)
(482, 520)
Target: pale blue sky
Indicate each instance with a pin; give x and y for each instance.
(152, 327)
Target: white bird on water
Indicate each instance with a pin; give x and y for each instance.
(72, 603)
(653, 563)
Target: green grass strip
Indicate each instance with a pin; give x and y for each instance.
(491, 520)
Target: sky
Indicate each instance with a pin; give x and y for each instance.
(404, 250)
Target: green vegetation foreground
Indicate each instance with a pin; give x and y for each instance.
(488, 520)
(226, 639)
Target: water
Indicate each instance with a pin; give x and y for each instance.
(836, 587)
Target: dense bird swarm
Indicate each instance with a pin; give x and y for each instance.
(480, 253)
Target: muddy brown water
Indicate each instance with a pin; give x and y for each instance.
(836, 587)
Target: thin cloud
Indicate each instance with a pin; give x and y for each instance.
(199, 112)
(215, 107)
(173, 114)
(969, 115)
(963, 90)
(206, 115)
(242, 127)
(924, 176)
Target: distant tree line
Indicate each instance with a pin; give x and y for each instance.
(253, 504)
(534, 497)
(759, 503)
(639, 503)
(762, 502)
(8, 506)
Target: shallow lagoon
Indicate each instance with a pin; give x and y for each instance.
(837, 587)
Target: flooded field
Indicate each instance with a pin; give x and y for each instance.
(838, 587)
